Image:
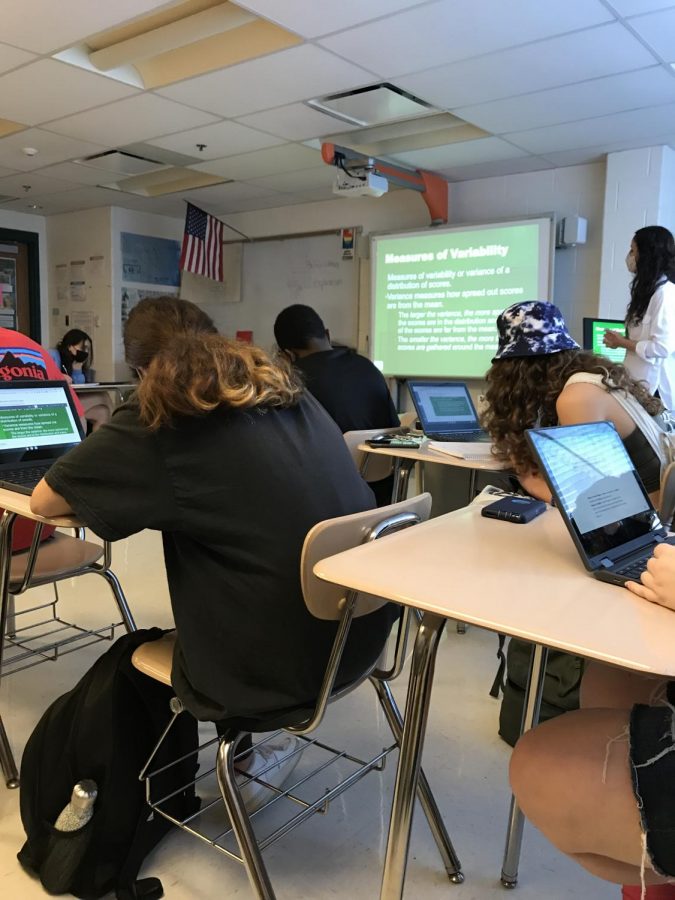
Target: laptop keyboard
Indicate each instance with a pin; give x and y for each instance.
(28, 477)
(470, 437)
(634, 569)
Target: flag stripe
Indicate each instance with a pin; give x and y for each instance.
(202, 250)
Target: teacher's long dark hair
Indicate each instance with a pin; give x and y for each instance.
(188, 369)
(656, 258)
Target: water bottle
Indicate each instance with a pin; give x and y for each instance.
(81, 807)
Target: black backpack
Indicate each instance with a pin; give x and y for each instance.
(105, 729)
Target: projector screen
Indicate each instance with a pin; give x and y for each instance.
(437, 293)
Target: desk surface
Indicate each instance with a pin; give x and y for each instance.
(20, 503)
(526, 581)
(105, 386)
(425, 454)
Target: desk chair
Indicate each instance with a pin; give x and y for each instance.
(59, 558)
(667, 510)
(327, 602)
(371, 467)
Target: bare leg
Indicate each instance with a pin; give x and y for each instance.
(608, 687)
(557, 777)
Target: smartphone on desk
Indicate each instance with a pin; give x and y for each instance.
(393, 440)
(514, 509)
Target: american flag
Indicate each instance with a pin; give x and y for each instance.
(202, 251)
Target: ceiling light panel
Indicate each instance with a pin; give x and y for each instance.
(295, 122)
(288, 158)
(466, 153)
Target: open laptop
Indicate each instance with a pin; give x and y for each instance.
(600, 497)
(38, 423)
(446, 411)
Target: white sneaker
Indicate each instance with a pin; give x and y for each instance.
(275, 763)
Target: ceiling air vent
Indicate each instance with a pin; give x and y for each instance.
(121, 163)
(374, 105)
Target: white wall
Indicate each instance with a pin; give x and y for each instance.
(138, 223)
(577, 190)
(78, 236)
(37, 224)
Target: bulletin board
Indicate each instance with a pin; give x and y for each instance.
(277, 272)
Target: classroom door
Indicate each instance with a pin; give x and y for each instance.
(20, 282)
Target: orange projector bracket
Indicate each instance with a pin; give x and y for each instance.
(433, 188)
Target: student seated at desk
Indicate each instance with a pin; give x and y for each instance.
(222, 451)
(347, 385)
(73, 355)
(600, 782)
(541, 377)
(22, 359)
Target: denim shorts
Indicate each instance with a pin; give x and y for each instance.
(652, 757)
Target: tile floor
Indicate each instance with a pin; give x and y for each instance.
(338, 855)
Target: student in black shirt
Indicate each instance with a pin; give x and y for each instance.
(223, 452)
(346, 384)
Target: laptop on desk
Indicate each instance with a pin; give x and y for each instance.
(446, 411)
(38, 423)
(600, 496)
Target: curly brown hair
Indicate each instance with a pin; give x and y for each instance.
(189, 369)
(522, 393)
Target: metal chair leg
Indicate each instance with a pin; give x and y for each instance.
(7, 763)
(120, 599)
(241, 824)
(427, 801)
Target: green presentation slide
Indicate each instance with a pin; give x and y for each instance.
(599, 327)
(34, 422)
(437, 294)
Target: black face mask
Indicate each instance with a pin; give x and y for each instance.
(81, 356)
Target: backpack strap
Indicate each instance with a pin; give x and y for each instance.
(498, 683)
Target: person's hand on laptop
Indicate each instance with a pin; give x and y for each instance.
(657, 582)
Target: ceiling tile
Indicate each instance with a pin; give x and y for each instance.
(38, 183)
(292, 182)
(605, 50)
(52, 148)
(465, 153)
(286, 77)
(45, 25)
(134, 119)
(602, 96)
(48, 89)
(501, 167)
(296, 122)
(221, 139)
(311, 19)
(442, 36)
(636, 7)
(658, 29)
(68, 201)
(648, 123)
(76, 174)
(288, 158)
(11, 57)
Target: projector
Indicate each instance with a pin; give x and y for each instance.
(363, 184)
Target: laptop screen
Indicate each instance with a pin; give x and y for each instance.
(443, 406)
(595, 485)
(37, 422)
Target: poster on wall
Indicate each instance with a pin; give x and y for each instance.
(150, 260)
(131, 296)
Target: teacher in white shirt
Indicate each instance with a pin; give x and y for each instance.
(650, 318)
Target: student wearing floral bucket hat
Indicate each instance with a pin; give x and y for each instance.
(540, 376)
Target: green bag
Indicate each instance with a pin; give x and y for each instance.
(561, 687)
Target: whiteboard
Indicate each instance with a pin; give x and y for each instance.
(276, 273)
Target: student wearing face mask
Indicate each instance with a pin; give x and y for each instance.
(650, 318)
(74, 355)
